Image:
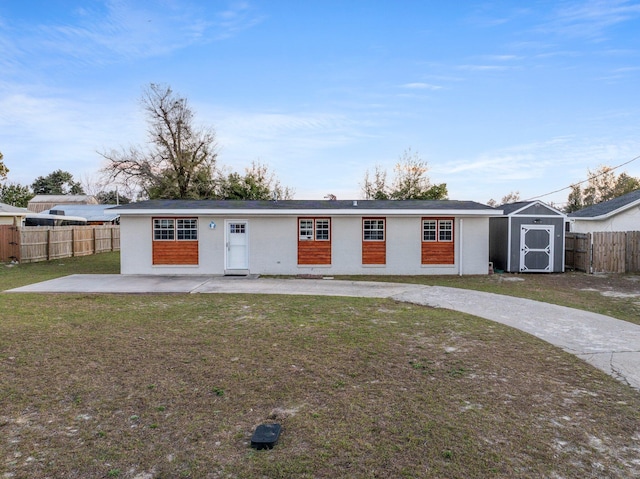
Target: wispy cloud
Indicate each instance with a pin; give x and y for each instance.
(502, 58)
(532, 168)
(53, 132)
(591, 19)
(124, 29)
(479, 68)
(421, 86)
(487, 16)
(270, 132)
(238, 17)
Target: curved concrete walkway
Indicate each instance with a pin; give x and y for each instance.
(609, 344)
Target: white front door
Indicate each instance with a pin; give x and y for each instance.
(237, 242)
(536, 248)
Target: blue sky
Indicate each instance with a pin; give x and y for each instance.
(497, 96)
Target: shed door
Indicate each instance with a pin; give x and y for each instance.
(237, 245)
(536, 248)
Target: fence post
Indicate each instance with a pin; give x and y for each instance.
(590, 253)
(19, 244)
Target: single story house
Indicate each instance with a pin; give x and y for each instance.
(12, 215)
(528, 238)
(619, 214)
(305, 237)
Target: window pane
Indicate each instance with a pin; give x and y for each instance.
(446, 230)
(237, 228)
(163, 229)
(306, 229)
(322, 230)
(429, 230)
(187, 229)
(373, 230)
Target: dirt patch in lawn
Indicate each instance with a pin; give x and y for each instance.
(173, 386)
(626, 285)
(616, 295)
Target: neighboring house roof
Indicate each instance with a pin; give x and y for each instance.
(608, 208)
(89, 212)
(347, 207)
(8, 210)
(40, 203)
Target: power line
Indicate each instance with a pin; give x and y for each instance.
(585, 181)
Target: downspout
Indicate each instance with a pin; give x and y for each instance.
(461, 245)
(509, 244)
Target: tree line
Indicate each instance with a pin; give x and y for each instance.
(180, 161)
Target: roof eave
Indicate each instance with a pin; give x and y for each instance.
(355, 211)
(610, 213)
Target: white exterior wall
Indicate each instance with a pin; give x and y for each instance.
(628, 220)
(7, 220)
(474, 245)
(273, 247)
(135, 245)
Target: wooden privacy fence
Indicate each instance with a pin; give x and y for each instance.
(577, 251)
(30, 244)
(616, 252)
(603, 252)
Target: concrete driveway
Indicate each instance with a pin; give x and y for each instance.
(607, 343)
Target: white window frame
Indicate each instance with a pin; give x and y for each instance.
(305, 229)
(175, 229)
(164, 229)
(186, 229)
(323, 225)
(314, 229)
(372, 228)
(440, 231)
(433, 231)
(445, 227)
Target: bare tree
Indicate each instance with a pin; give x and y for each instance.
(179, 159)
(375, 188)
(3, 169)
(511, 197)
(601, 185)
(409, 183)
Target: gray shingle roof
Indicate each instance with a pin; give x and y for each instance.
(11, 210)
(606, 207)
(284, 205)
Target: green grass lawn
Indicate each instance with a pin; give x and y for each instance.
(164, 386)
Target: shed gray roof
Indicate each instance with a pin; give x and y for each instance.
(321, 205)
(607, 207)
(510, 208)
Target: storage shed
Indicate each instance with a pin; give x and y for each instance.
(528, 238)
